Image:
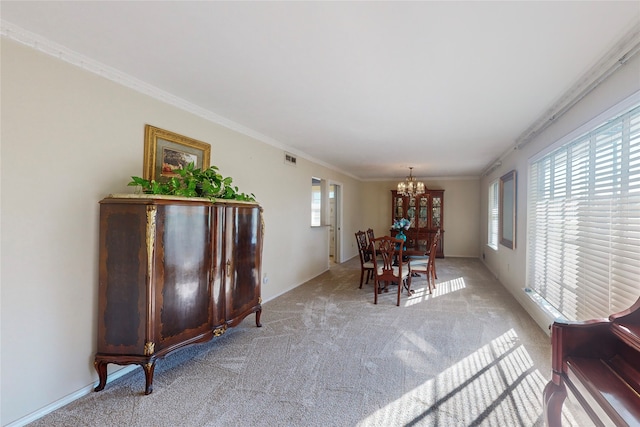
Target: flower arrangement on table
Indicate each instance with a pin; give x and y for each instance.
(401, 225)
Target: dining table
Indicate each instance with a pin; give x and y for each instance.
(414, 250)
(408, 250)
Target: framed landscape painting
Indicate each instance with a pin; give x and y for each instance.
(165, 151)
(507, 224)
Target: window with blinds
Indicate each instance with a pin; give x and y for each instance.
(584, 221)
(492, 226)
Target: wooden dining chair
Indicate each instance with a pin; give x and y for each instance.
(421, 240)
(434, 244)
(427, 265)
(366, 265)
(389, 267)
(370, 237)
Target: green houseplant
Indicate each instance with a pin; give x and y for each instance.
(193, 182)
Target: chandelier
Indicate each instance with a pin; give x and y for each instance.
(410, 187)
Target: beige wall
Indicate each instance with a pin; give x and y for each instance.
(461, 212)
(510, 265)
(69, 138)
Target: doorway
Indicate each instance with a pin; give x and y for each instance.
(335, 214)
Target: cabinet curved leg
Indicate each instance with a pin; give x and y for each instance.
(258, 313)
(148, 373)
(101, 368)
(553, 398)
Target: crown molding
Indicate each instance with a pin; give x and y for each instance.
(427, 179)
(48, 47)
(626, 48)
(623, 50)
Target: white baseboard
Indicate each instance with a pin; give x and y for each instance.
(68, 399)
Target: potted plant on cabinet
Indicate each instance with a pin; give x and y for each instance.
(193, 182)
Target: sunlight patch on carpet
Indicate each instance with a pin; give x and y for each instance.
(495, 385)
(421, 294)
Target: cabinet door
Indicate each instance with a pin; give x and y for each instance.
(436, 211)
(243, 247)
(411, 210)
(122, 289)
(398, 206)
(423, 212)
(182, 274)
(437, 218)
(218, 304)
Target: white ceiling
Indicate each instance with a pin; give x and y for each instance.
(369, 88)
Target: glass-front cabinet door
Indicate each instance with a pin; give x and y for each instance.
(398, 207)
(423, 217)
(411, 212)
(436, 212)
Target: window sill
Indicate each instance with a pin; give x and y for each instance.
(544, 305)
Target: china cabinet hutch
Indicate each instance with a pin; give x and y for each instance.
(173, 271)
(426, 214)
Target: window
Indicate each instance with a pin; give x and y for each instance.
(316, 202)
(492, 226)
(584, 220)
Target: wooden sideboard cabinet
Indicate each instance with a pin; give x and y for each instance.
(173, 272)
(426, 213)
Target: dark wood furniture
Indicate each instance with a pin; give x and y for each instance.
(370, 235)
(426, 213)
(173, 272)
(415, 251)
(386, 250)
(598, 362)
(366, 265)
(426, 265)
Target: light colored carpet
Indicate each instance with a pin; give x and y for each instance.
(467, 355)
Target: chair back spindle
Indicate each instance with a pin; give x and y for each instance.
(370, 235)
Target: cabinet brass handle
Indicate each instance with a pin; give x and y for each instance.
(228, 268)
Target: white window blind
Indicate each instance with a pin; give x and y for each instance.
(584, 221)
(492, 226)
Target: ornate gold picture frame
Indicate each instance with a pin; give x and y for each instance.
(165, 151)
